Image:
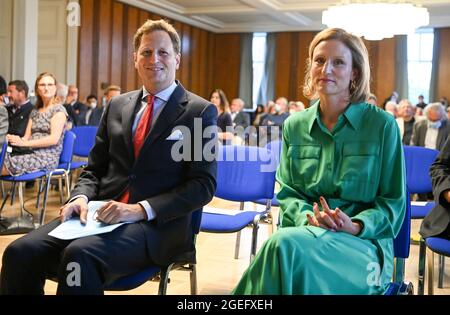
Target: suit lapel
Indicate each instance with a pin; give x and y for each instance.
(129, 111)
(173, 109)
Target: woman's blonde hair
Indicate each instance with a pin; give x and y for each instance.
(360, 85)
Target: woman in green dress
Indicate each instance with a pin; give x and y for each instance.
(342, 194)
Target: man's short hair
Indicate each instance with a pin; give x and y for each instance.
(160, 25)
(20, 85)
(112, 88)
(2, 86)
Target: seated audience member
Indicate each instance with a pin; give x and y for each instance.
(406, 120)
(44, 133)
(260, 113)
(62, 91)
(341, 173)
(421, 103)
(436, 222)
(145, 186)
(3, 96)
(295, 107)
(372, 99)
(3, 111)
(391, 108)
(93, 114)
(219, 99)
(444, 101)
(392, 98)
(19, 108)
(238, 116)
(110, 92)
(72, 101)
(433, 131)
(274, 120)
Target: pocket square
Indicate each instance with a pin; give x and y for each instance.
(175, 135)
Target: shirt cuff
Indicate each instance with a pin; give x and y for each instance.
(148, 209)
(79, 196)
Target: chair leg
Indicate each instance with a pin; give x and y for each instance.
(430, 256)
(38, 199)
(237, 245)
(421, 280)
(13, 194)
(68, 185)
(44, 206)
(441, 271)
(254, 238)
(193, 278)
(21, 201)
(60, 184)
(164, 279)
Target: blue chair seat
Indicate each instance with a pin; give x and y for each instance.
(220, 223)
(78, 164)
(24, 177)
(419, 212)
(133, 281)
(438, 245)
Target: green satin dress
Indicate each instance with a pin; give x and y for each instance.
(358, 167)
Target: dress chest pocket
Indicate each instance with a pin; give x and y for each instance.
(359, 171)
(304, 163)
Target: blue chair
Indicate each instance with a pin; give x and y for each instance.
(135, 280)
(401, 251)
(418, 161)
(243, 174)
(83, 144)
(65, 158)
(275, 148)
(437, 245)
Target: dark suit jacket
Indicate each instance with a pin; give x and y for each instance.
(94, 118)
(242, 119)
(71, 113)
(18, 121)
(173, 189)
(438, 218)
(420, 132)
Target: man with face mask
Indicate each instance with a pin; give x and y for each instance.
(433, 131)
(92, 115)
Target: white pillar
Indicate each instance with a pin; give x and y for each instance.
(25, 41)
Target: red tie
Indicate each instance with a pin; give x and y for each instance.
(139, 135)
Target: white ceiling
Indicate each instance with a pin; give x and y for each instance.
(229, 16)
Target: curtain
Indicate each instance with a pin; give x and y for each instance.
(246, 70)
(401, 67)
(267, 89)
(435, 68)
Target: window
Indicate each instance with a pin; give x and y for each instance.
(420, 57)
(259, 56)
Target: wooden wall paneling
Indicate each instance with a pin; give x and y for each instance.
(185, 66)
(443, 87)
(116, 44)
(372, 48)
(385, 69)
(178, 28)
(127, 59)
(85, 57)
(195, 55)
(304, 39)
(143, 17)
(203, 77)
(210, 65)
(104, 45)
(283, 64)
(226, 64)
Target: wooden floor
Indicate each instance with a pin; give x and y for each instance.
(217, 270)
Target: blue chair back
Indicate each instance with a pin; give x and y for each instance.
(402, 241)
(418, 161)
(67, 151)
(275, 148)
(245, 173)
(85, 140)
(3, 153)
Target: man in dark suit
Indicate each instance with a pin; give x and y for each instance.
(162, 191)
(93, 114)
(436, 223)
(19, 108)
(433, 131)
(73, 106)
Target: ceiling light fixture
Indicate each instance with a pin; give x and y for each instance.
(376, 20)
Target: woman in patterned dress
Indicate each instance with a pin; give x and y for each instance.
(44, 132)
